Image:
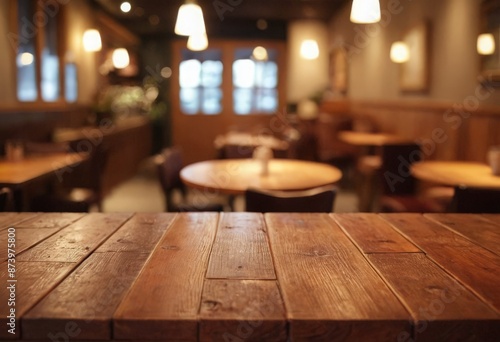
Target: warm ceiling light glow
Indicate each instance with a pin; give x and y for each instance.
(120, 58)
(190, 19)
(485, 44)
(260, 53)
(25, 58)
(197, 42)
(400, 52)
(92, 40)
(365, 11)
(125, 7)
(309, 49)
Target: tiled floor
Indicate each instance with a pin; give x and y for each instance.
(142, 193)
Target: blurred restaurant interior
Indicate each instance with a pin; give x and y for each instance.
(308, 81)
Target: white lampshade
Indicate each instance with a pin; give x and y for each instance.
(400, 52)
(259, 53)
(485, 44)
(120, 58)
(92, 40)
(309, 49)
(190, 19)
(197, 42)
(365, 11)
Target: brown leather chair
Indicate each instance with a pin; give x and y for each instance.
(169, 164)
(319, 200)
(475, 200)
(397, 185)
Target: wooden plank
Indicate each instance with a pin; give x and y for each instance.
(330, 290)
(34, 281)
(25, 238)
(474, 266)
(242, 310)
(373, 235)
(76, 241)
(163, 303)
(442, 308)
(473, 227)
(241, 249)
(494, 218)
(141, 233)
(51, 220)
(90, 295)
(12, 219)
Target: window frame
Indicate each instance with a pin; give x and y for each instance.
(228, 49)
(39, 41)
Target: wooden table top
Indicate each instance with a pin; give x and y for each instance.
(251, 277)
(32, 167)
(234, 176)
(455, 173)
(371, 139)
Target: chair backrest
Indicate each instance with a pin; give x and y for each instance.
(475, 200)
(5, 199)
(396, 178)
(169, 164)
(319, 200)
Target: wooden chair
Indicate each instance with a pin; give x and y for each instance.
(397, 185)
(5, 199)
(475, 200)
(169, 164)
(80, 189)
(319, 200)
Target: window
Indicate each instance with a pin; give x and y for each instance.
(255, 81)
(39, 70)
(200, 81)
(250, 86)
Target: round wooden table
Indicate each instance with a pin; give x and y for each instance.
(234, 176)
(455, 173)
(371, 139)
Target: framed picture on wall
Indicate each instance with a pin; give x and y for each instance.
(338, 70)
(415, 72)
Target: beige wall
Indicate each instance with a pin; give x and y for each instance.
(454, 62)
(306, 77)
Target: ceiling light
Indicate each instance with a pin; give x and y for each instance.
(400, 52)
(190, 19)
(309, 49)
(197, 42)
(365, 11)
(120, 58)
(485, 44)
(260, 53)
(125, 7)
(92, 40)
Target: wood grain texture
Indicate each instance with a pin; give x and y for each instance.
(13, 219)
(487, 236)
(242, 310)
(75, 242)
(87, 298)
(329, 289)
(241, 249)
(442, 308)
(91, 294)
(472, 265)
(140, 234)
(163, 303)
(25, 238)
(494, 218)
(373, 235)
(50, 220)
(34, 281)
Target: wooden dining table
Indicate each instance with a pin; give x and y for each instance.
(34, 168)
(455, 173)
(369, 139)
(249, 277)
(234, 176)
